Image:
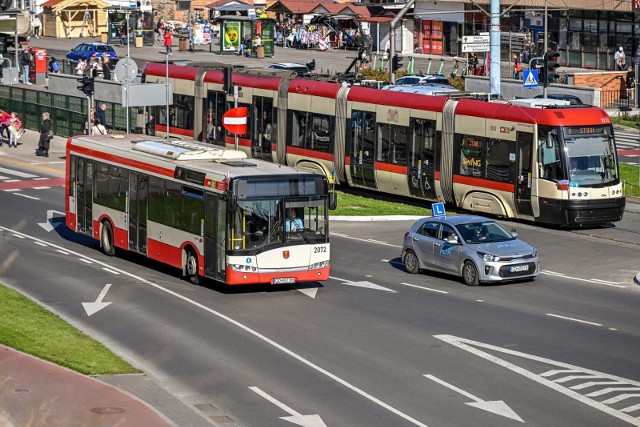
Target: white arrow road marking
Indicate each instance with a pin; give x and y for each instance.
(497, 407)
(241, 326)
(310, 292)
(472, 347)
(296, 417)
(94, 307)
(363, 284)
(48, 226)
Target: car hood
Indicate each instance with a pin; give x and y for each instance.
(511, 248)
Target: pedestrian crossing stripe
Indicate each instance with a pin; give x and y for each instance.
(531, 80)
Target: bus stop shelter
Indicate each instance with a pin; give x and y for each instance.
(234, 29)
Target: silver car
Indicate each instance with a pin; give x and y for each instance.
(476, 248)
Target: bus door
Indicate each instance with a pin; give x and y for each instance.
(138, 197)
(524, 180)
(214, 236)
(84, 192)
(422, 159)
(363, 149)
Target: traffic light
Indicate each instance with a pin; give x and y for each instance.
(87, 85)
(227, 79)
(396, 62)
(550, 67)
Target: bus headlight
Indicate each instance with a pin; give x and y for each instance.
(240, 267)
(318, 265)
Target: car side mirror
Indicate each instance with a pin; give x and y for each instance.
(514, 233)
(549, 141)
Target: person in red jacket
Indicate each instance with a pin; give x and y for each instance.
(168, 41)
(4, 125)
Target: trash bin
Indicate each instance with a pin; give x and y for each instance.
(138, 41)
(182, 44)
(260, 52)
(104, 38)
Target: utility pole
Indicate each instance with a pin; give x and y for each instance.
(494, 47)
(545, 48)
(126, 82)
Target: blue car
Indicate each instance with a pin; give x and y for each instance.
(88, 50)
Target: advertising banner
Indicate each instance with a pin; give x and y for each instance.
(230, 36)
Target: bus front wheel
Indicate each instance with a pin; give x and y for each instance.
(191, 267)
(107, 239)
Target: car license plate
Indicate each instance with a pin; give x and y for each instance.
(281, 280)
(517, 268)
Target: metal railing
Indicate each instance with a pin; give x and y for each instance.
(619, 98)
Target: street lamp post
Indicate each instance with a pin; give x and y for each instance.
(546, 46)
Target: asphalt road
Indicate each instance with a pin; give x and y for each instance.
(373, 346)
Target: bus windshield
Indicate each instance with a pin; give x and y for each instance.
(260, 223)
(590, 156)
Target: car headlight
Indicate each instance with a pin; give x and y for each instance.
(489, 257)
(535, 253)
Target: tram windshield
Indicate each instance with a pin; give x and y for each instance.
(583, 155)
(590, 155)
(259, 224)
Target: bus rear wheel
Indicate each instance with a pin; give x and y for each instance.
(107, 239)
(191, 267)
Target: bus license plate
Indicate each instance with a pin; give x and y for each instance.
(281, 280)
(517, 268)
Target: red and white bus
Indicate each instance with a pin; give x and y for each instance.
(509, 158)
(207, 210)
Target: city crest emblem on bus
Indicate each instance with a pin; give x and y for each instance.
(285, 254)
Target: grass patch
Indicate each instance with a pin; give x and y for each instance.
(630, 174)
(28, 327)
(351, 205)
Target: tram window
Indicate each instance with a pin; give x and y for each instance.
(471, 150)
(393, 147)
(298, 128)
(500, 160)
(550, 158)
(321, 130)
(214, 108)
(422, 150)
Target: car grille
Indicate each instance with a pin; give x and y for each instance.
(504, 271)
(511, 258)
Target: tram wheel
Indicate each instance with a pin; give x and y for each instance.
(107, 239)
(191, 267)
(470, 274)
(411, 262)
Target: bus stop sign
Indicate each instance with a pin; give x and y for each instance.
(235, 120)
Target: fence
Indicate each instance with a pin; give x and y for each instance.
(618, 99)
(68, 113)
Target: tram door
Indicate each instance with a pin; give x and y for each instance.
(138, 198)
(523, 176)
(363, 148)
(84, 195)
(214, 236)
(422, 159)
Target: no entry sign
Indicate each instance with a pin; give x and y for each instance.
(235, 120)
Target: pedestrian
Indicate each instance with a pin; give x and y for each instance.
(159, 28)
(517, 66)
(46, 135)
(4, 126)
(106, 69)
(81, 68)
(122, 33)
(618, 58)
(102, 115)
(98, 128)
(168, 41)
(151, 125)
(36, 26)
(25, 62)
(15, 130)
(53, 66)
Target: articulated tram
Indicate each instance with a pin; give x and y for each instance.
(520, 159)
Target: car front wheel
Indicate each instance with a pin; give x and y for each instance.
(470, 274)
(411, 262)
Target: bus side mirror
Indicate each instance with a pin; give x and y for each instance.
(233, 203)
(333, 201)
(549, 141)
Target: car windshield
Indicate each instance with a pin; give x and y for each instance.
(484, 232)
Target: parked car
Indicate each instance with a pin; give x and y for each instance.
(573, 100)
(290, 66)
(476, 248)
(87, 50)
(431, 78)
